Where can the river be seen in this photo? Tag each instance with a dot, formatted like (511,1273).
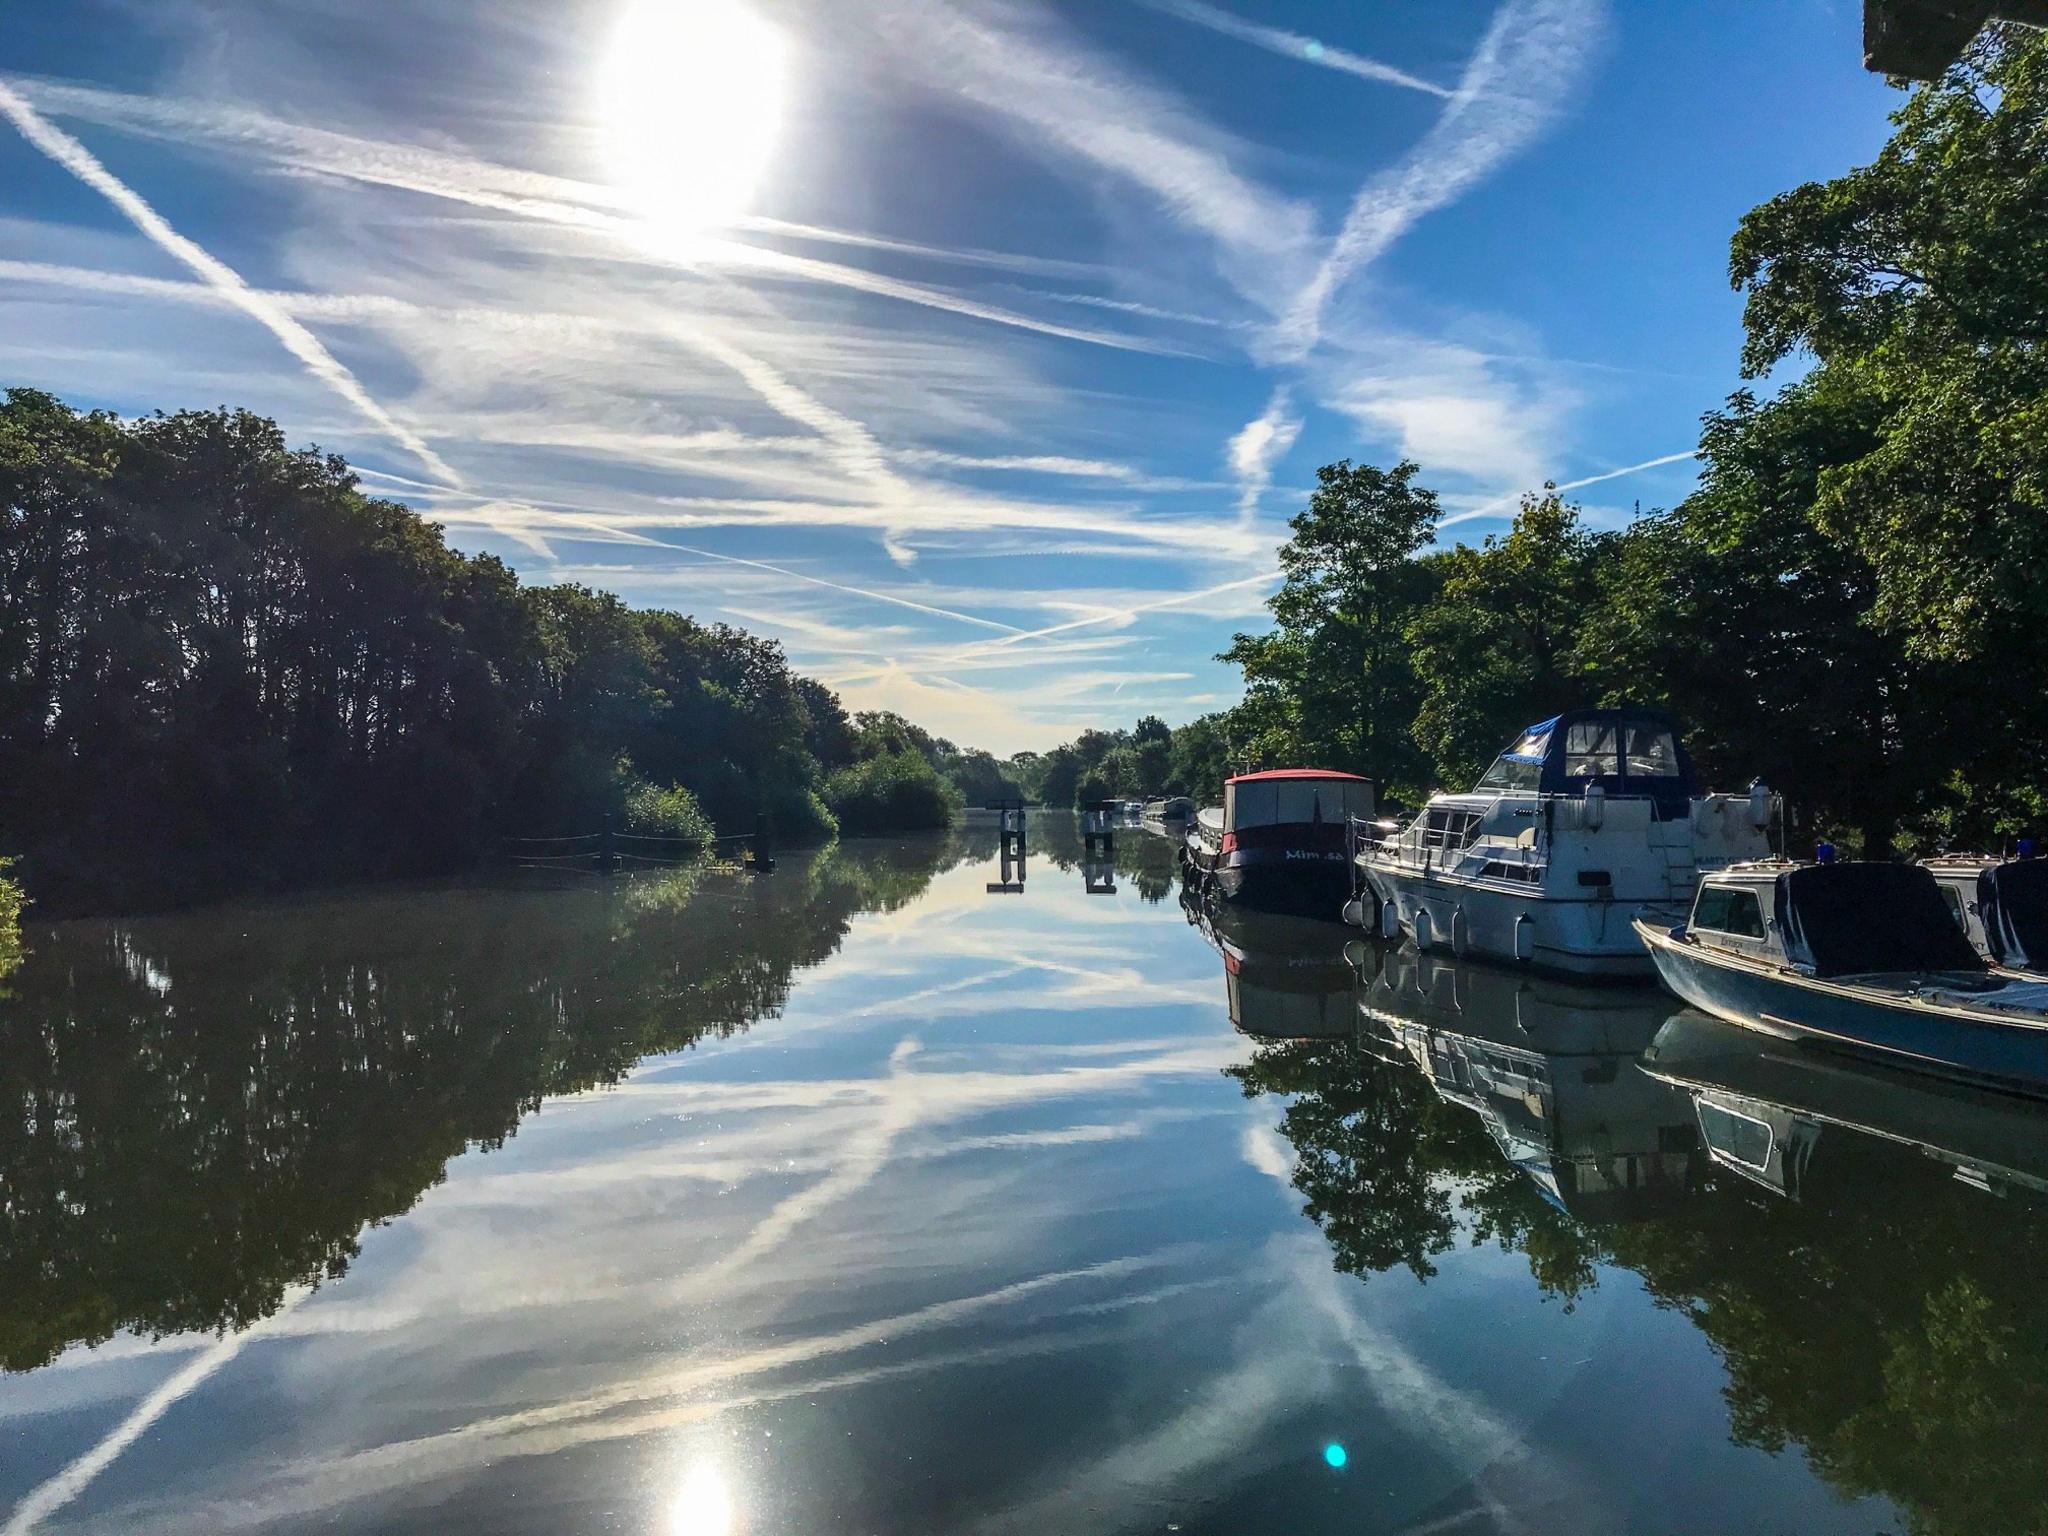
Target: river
(862,1197)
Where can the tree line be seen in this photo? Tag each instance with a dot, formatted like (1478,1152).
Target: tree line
(224,666)
(1851,604)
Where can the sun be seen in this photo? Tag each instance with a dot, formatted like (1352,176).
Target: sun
(690,99)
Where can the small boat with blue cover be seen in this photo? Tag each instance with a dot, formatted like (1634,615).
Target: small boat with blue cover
(2000,904)
(1863,957)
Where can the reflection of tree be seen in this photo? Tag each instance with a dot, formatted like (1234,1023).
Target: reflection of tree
(199,1111)
(1389,1169)
(1891,1322)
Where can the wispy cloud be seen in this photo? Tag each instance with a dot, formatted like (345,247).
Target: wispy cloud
(74,157)
(1500,504)
(1513,88)
(1293,45)
(1260,445)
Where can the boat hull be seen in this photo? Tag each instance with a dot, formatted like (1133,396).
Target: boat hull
(1572,937)
(1310,882)
(1973,1047)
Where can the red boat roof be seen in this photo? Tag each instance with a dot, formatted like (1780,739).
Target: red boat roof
(1293,773)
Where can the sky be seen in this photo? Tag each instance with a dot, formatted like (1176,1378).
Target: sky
(976,350)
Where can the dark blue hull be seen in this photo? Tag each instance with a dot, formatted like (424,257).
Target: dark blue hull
(1304,881)
(1905,1030)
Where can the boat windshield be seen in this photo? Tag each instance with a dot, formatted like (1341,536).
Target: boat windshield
(1521,766)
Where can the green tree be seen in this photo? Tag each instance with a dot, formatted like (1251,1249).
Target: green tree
(1497,642)
(1332,685)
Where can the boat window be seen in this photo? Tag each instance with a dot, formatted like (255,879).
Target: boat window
(1736,1137)
(1258,805)
(1954,902)
(1589,750)
(1722,909)
(1295,800)
(1507,773)
(1652,754)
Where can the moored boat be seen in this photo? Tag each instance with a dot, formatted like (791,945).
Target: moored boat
(1167,810)
(1278,840)
(1586,819)
(2000,904)
(1857,956)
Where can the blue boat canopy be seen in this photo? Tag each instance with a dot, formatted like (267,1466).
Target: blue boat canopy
(2012,898)
(1864,918)
(1627,752)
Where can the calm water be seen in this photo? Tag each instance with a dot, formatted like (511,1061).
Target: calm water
(865,1199)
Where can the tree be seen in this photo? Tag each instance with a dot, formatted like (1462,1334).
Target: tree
(1332,685)
(1497,643)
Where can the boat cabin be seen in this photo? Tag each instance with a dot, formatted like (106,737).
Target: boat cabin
(1833,919)
(2001,905)
(1258,806)
(1624,753)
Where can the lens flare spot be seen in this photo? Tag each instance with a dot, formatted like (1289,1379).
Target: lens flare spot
(1335,1454)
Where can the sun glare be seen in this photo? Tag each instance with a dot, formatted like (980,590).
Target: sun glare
(703,1504)
(689,101)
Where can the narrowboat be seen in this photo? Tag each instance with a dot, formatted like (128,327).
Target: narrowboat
(1169,810)
(1586,819)
(1863,957)
(1279,840)
(2000,904)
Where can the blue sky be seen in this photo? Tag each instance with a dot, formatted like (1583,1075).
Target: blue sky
(978,351)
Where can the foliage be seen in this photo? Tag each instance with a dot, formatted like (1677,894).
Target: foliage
(1495,646)
(222,666)
(1848,606)
(1333,685)
(653,811)
(11,902)
(896,791)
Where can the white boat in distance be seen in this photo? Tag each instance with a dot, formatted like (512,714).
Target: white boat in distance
(1585,820)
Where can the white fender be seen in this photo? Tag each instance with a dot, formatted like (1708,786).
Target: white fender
(1423,935)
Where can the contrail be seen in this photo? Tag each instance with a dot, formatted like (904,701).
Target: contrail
(1293,45)
(300,342)
(51,1495)
(1491,508)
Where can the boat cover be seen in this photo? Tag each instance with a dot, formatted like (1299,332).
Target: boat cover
(1861,918)
(2012,898)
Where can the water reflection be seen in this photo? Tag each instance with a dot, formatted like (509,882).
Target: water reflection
(1830,1227)
(202,1111)
(1038,1211)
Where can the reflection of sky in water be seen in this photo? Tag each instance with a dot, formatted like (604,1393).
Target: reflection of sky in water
(976,1236)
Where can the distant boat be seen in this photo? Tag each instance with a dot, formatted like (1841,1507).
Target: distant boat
(1279,840)
(2000,904)
(1858,956)
(1170,808)
(1585,819)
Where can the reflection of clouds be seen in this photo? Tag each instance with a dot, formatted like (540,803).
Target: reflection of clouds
(1515,1486)
(687,1393)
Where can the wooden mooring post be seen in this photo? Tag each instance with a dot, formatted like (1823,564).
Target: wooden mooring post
(1010,828)
(1098,830)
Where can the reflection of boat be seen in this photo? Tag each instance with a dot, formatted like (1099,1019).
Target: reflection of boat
(1169,814)
(1287,978)
(1585,819)
(2001,905)
(1763,1105)
(1279,840)
(1549,1067)
(1863,956)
